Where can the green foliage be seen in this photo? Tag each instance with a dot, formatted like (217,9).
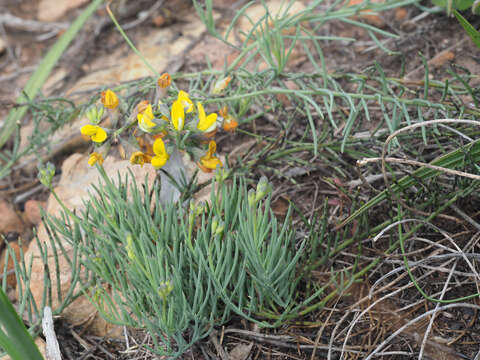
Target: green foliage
(14,337)
(454,4)
(177,271)
(469,29)
(274,37)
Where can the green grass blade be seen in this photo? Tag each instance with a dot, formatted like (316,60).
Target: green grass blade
(469,29)
(35,83)
(15,338)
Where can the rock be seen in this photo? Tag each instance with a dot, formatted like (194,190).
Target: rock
(401,14)
(52,10)
(9,219)
(65,140)
(368,15)
(204,194)
(163,48)
(32,211)
(77,180)
(256,12)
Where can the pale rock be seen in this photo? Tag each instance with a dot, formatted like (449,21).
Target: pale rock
(255,12)
(277,9)
(53,10)
(162,48)
(75,184)
(32,211)
(65,140)
(9,219)
(369,16)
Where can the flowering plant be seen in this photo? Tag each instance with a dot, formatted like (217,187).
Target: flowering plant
(151,132)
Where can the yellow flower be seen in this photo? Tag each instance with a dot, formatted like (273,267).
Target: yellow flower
(94,132)
(94,158)
(164,81)
(161,155)
(178,115)
(109,99)
(185,101)
(145,119)
(208,163)
(205,123)
(139,158)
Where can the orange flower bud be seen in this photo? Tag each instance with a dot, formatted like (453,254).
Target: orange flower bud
(230,124)
(164,81)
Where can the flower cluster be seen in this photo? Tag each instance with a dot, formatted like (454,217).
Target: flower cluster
(152,131)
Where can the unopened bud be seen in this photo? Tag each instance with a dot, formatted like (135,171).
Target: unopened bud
(165,289)
(129,247)
(46,174)
(94,114)
(251,198)
(220,85)
(263,188)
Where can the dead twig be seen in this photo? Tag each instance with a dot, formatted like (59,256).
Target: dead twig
(53,350)
(17,23)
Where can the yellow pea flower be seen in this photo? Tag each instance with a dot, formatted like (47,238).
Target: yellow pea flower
(160,152)
(178,115)
(139,158)
(94,132)
(109,99)
(185,101)
(209,162)
(142,106)
(94,158)
(145,119)
(205,123)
